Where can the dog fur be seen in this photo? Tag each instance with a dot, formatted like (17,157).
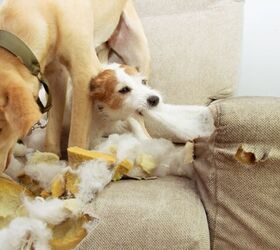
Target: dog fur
(118,92)
(64,36)
(111,109)
(18,110)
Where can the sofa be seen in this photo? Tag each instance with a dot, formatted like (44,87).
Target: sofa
(233,200)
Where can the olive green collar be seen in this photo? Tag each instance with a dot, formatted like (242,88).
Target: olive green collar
(19,49)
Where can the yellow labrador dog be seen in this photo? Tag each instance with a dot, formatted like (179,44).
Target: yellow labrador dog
(64,35)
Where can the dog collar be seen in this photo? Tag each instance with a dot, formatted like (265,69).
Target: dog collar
(18,48)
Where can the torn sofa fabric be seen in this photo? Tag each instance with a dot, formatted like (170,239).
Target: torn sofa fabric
(237,173)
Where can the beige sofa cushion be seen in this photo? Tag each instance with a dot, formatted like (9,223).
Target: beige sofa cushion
(195,47)
(241,195)
(154,214)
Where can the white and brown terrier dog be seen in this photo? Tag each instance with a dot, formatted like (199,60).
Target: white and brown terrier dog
(118,92)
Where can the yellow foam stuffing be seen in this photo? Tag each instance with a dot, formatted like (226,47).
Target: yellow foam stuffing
(146,162)
(58,186)
(66,235)
(78,155)
(122,169)
(11,201)
(113,149)
(30,184)
(69,233)
(39,157)
(71,183)
(73,205)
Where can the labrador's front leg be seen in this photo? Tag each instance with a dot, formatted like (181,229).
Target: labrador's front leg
(57,77)
(81,115)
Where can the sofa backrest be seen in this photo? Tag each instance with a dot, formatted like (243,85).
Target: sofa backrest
(195,47)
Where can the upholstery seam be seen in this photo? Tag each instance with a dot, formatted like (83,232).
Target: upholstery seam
(218,115)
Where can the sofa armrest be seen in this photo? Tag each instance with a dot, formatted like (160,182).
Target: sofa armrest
(238,173)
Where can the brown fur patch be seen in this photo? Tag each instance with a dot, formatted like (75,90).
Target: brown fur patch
(129,70)
(103,89)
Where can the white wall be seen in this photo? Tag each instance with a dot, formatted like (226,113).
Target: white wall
(260,73)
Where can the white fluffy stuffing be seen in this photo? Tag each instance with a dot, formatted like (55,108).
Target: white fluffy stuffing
(21,150)
(22,233)
(169,159)
(94,176)
(126,145)
(44,172)
(50,211)
(173,163)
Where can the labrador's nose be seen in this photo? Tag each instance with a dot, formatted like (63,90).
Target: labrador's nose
(153,100)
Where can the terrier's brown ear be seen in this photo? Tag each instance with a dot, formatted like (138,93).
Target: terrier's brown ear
(103,85)
(97,89)
(21,111)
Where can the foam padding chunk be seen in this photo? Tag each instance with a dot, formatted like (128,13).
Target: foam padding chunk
(122,169)
(77,155)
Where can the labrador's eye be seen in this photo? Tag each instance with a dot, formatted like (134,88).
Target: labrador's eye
(144,82)
(125,90)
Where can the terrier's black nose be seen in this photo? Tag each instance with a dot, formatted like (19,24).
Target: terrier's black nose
(153,100)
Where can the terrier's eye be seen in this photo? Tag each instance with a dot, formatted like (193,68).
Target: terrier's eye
(124,90)
(144,81)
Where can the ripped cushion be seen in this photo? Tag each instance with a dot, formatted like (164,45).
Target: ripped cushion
(238,173)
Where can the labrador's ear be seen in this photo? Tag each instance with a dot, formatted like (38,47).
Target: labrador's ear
(20,109)
(129,42)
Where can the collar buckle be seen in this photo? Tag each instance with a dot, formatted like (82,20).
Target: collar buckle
(41,124)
